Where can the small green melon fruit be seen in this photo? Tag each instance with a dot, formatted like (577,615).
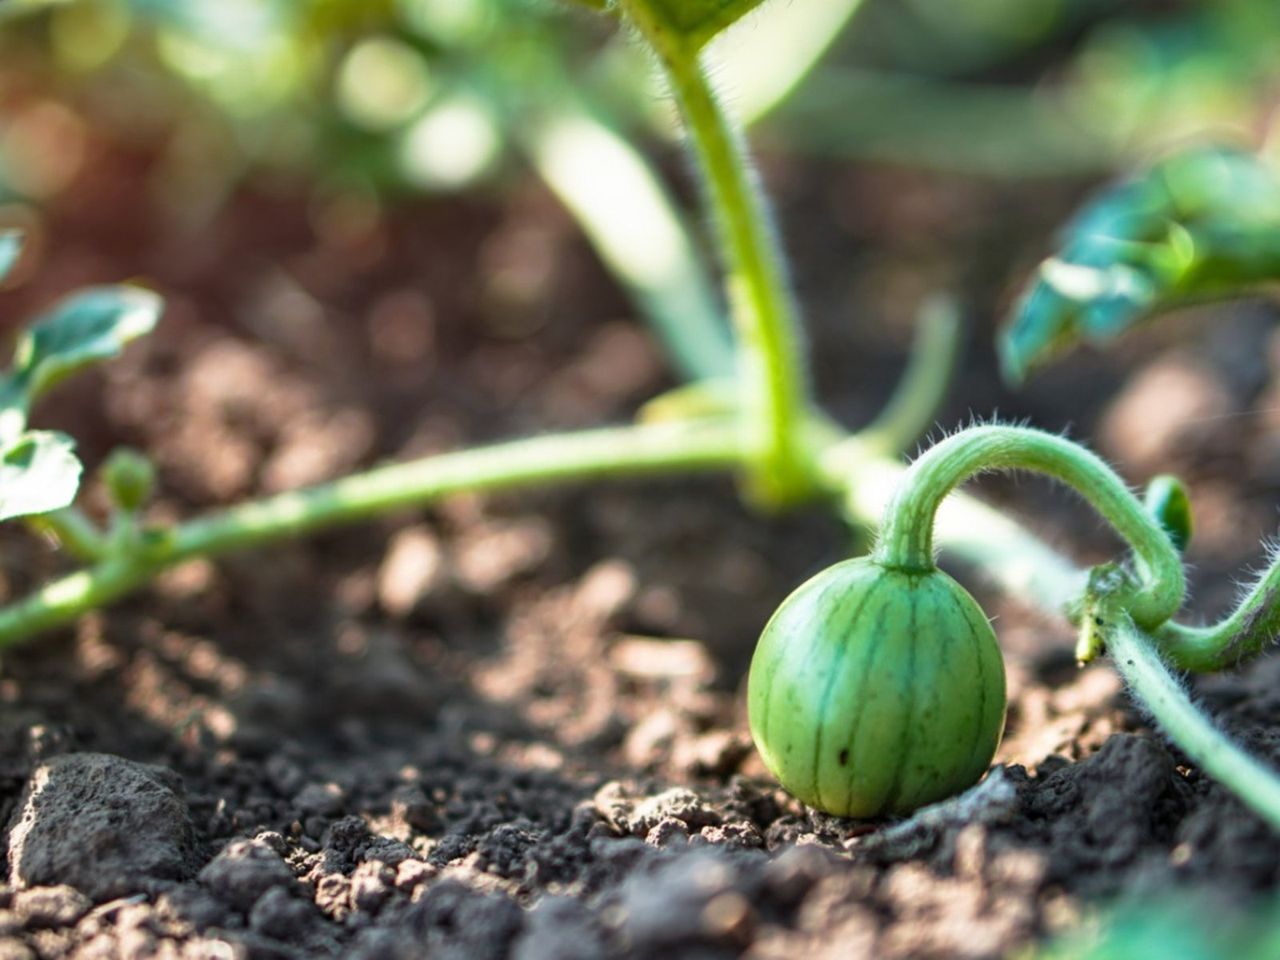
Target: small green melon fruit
(874,691)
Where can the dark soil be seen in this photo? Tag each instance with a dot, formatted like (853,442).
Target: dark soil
(514,726)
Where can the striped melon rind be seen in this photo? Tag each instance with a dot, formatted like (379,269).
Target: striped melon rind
(875,691)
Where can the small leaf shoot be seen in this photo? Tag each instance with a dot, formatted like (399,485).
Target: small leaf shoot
(86,328)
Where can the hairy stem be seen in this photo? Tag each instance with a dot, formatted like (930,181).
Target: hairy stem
(863,479)
(1250,628)
(771,365)
(906,535)
(1135,656)
(594,454)
(989,542)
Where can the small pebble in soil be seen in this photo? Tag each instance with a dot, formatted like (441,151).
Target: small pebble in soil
(245,871)
(100,823)
(639,817)
(560,928)
(280,914)
(59,906)
(694,898)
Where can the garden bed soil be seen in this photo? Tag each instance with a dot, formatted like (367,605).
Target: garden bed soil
(513,726)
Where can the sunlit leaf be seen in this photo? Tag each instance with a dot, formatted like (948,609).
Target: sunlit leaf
(1200,225)
(86,328)
(692,21)
(39,472)
(10,247)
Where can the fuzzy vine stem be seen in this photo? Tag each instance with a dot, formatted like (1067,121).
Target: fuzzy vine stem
(592,454)
(771,369)
(1249,629)
(906,535)
(1136,656)
(988,541)
(861,478)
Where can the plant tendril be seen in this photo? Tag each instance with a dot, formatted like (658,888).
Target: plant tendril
(906,537)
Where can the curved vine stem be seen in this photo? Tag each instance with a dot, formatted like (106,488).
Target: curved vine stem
(599,454)
(906,535)
(1135,656)
(988,541)
(1250,628)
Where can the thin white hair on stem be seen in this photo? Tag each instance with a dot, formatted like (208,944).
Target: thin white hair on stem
(1180,678)
(940,432)
(1253,590)
(1188,568)
(1164,695)
(1253,577)
(726,93)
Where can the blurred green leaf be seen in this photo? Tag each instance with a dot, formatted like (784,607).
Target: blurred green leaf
(86,328)
(1167,500)
(701,400)
(693,21)
(39,472)
(10,247)
(1202,224)
(1172,925)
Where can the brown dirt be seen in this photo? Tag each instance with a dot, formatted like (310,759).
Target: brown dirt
(513,726)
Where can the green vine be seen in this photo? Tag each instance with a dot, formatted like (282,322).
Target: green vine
(906,536)
(771,367)
(1138,659)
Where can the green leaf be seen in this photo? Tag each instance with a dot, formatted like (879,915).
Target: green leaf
(1199,225)
(39,472)
(10,247)
(1167,500)
(86,328)
(694,22)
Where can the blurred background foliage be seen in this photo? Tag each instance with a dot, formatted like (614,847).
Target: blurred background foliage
(1057,87)
(367,102)
(1173,926)
(427,95)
